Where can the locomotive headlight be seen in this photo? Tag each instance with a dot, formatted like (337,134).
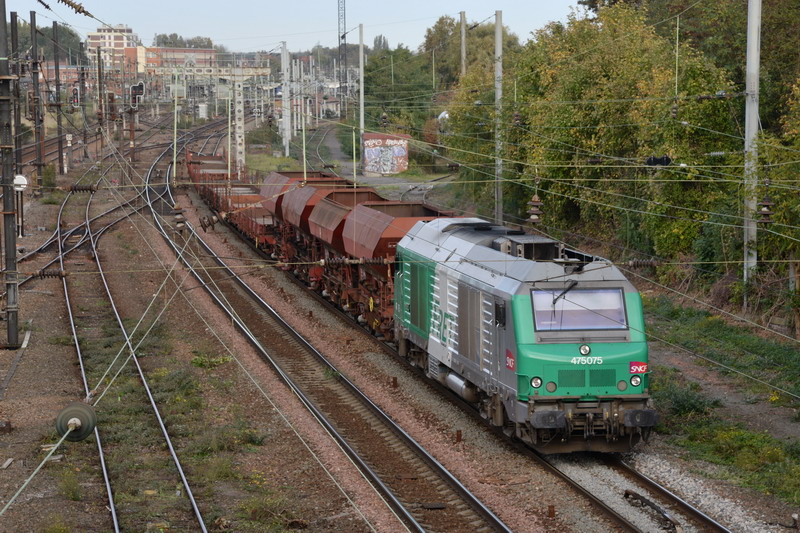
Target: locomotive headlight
(636,381)
(536,382)
(585,350)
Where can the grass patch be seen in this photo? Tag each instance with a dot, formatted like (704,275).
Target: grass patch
(225,438)
(267,163)
(217,467)
(676,397)
(330,373)
(69,486)
(61,340)
(751,459)
(56,524)
(270,511)
(208,361)
(55,197)
(732,345)
(748,458)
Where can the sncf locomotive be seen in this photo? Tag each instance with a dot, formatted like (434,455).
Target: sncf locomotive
(547,342)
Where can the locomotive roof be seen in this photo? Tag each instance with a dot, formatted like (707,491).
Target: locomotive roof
(469,245)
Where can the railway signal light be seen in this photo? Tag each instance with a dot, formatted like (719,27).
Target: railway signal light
(137,91)
(76,98)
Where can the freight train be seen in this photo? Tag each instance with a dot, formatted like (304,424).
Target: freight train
(546,342)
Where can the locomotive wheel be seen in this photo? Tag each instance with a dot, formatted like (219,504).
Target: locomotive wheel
(84,414)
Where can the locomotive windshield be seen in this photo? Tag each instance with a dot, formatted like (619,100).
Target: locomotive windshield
(578,309)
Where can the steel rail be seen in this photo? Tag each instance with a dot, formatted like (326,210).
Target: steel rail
(477,506)
(140,371)
(706,522)
(469,408)
(60,236)
(87,390)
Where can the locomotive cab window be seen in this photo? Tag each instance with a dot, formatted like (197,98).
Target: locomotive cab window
(578,309)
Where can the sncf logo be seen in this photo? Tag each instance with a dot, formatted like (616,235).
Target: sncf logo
(511,362)
(637,367)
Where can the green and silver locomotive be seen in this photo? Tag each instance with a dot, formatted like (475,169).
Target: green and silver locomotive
(548,342)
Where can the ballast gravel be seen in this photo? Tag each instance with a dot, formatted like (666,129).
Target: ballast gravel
(509,483)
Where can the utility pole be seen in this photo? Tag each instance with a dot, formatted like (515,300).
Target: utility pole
(360,84)
(101,102)
(498,110)
(17,106)
(82,92)
(463,43)
(132,129)
(37,117)
(750,134)
(9,210)
(57,104)
(342,54)
(286,105)
(175,136)
(433,69)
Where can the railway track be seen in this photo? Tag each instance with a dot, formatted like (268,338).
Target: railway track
(96,325)
(93,315)
(424,494)
(660,507)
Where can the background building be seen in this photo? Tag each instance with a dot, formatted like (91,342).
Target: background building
(112,42)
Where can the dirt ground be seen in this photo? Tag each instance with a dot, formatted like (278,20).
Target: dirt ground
(285,479)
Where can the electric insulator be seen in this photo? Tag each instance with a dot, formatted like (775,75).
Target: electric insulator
(384,120)
(765,210)
(517,119)
(78,417)
(44,273)
(642,263)
(534,211)
(82,188)
(674,111)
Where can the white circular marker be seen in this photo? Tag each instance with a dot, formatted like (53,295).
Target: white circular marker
(20,183)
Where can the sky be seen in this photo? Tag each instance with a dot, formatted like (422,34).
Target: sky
(251,25)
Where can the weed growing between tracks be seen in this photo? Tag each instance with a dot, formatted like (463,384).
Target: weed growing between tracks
(210,438)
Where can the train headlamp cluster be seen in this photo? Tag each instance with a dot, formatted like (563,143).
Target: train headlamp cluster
(636,381)
(536,382)
(585,349)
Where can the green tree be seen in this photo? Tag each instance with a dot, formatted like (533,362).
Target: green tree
(68,43)
(719,30)
(442,44)
(594,99)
